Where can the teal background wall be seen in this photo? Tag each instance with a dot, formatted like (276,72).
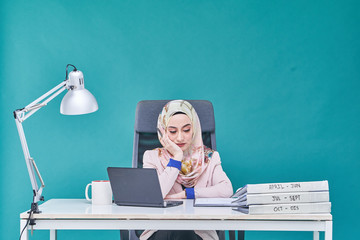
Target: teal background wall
(284,78)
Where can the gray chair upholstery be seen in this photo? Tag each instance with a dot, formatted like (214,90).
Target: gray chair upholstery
(146,116)
(145,138)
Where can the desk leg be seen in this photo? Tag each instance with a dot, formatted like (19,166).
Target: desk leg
(25,235)
(328,230)
(53,234)
(316,235)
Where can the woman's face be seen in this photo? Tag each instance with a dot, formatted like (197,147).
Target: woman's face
(180,130)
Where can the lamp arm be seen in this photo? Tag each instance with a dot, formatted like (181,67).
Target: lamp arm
(34,106)
(29,164)
(21,115)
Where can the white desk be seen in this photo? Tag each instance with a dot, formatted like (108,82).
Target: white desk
(61,214)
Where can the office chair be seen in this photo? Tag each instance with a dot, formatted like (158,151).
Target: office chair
(145,138)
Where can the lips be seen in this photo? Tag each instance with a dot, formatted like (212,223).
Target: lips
(180,144)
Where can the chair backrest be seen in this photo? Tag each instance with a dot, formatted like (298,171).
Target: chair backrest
(145,135)
(146,116)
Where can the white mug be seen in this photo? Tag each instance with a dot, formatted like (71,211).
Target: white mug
(100,191)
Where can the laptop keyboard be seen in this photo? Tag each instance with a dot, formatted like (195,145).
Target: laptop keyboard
(172,203)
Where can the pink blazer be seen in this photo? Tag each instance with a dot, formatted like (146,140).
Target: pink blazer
(212,183)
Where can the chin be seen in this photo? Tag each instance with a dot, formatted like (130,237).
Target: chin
(184,148)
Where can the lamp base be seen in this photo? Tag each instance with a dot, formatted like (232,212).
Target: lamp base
(34,208)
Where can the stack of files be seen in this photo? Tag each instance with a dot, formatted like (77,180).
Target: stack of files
(276,198)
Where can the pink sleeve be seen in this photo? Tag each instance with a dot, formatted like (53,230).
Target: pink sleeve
(220,183)
(167,176)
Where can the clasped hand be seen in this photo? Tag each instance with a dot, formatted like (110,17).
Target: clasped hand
(177,154)
(171,147)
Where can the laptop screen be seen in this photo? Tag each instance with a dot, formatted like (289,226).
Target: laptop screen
(135,186)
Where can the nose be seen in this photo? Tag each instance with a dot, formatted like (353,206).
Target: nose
(180,137)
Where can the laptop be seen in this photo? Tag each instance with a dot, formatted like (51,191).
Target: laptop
(137,187)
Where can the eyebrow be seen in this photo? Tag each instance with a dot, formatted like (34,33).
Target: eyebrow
(182,126)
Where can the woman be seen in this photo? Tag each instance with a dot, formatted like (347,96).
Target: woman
(186,168)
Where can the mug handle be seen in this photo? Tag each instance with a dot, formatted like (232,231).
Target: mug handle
(86,192)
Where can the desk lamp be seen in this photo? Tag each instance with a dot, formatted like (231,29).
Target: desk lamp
(76,101)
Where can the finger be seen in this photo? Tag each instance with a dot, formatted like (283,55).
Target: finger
(166,136)
(168,140)
(165,140)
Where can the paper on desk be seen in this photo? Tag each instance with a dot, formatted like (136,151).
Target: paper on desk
(217,202)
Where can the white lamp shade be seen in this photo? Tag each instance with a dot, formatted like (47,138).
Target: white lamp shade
(77,102)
